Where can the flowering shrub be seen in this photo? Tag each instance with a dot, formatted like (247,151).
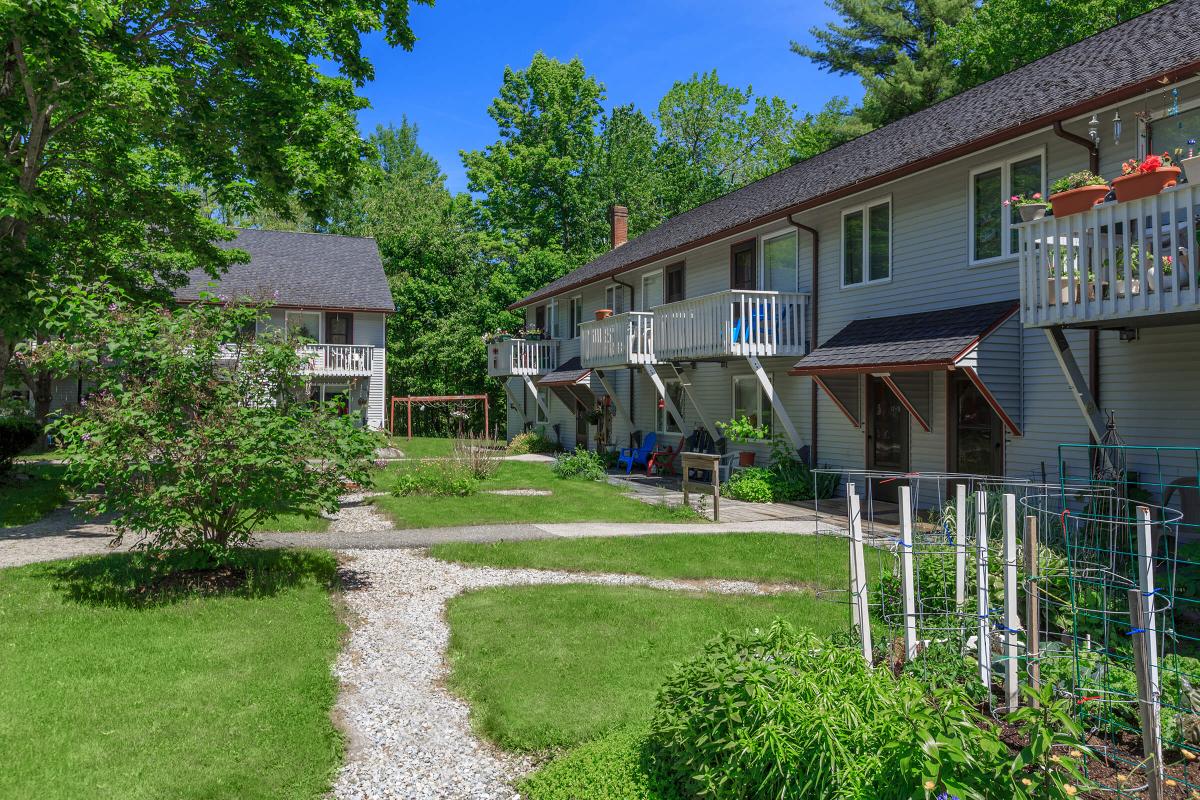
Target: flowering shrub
(1018,200)
(1150,163)
(1077,180)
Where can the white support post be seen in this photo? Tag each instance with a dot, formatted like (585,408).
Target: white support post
(960,547)
(515,405)
(860,587)
(1145,545)
(704,420)
(983,643)
(776,402)
(657,380)
(852,517)
(1012,622)
(906,574)
(529,384)
(616,399)
(1075,380)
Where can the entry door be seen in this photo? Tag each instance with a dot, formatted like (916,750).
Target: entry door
(887,437)
(976,432)
(743,267)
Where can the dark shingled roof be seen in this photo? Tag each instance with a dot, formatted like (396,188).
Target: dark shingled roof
(569,372)
(927,339)
(1117,63)
(308,270)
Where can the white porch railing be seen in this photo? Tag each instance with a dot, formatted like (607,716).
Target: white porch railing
(617,341)
(337,359)
(732,323)
(1114,262)
(522,357)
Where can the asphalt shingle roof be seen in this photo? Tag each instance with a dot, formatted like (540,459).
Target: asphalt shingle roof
(1124,59)
(932,338)
(569,372)
(308,270)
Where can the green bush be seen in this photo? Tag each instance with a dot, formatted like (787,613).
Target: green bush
(787,479)
(614,767)
(442,478)
(17,434)
(752,485)
(580,465)
(531,442)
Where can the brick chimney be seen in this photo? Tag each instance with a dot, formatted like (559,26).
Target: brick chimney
(618,221)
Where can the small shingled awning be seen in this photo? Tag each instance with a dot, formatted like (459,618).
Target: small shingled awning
(928,341)
(571,383)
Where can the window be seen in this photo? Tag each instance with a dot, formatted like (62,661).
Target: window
(750,401)
(743,269)
(576,316)
(652,290)
(1174,132)
(781,263)
(539,317)
(675,285)
(304,323)
(339,328)
(613,295)
(551,329)
(867,243)
(663,420)
(992,234)
(543,402)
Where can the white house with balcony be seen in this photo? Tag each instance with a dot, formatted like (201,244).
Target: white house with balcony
(330,289)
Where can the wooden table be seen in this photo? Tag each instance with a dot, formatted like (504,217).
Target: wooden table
(704,461)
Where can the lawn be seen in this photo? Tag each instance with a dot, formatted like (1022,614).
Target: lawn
(105,695)
(25,501)
(294,523)
(569,501)
(430,446)
(761,557)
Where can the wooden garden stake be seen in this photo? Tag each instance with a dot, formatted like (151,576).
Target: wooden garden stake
(983,642)
(1032,601)
(1012,622)
(1145,546)
(1147,700)
(906,574)
(850,492)
(859,587)
(960,547)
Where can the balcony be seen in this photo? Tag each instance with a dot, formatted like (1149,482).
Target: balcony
(344,360)
(730,324)
(621,340)
(1115,265)
(522,357)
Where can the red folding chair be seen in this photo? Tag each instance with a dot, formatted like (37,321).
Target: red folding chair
(664,460)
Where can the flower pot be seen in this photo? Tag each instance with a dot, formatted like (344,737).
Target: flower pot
(504,337)
(1144,184)
(1074,201)
(746,458)
(1032,211)
(603,313)
(1191,168)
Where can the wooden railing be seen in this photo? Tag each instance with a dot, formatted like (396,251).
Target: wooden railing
(1114,262)
(522,357)
(621,339)
(337,359)
(732,323)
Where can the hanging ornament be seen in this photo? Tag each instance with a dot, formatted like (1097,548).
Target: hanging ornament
(1117,127)
(1174,108)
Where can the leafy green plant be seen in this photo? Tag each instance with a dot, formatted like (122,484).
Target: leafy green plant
(1048,765)
(751,485)
(474,455)
(436,478)
(531,442)
(580,465)
(17,434)
(741,429)
(943,664)
(1077,180)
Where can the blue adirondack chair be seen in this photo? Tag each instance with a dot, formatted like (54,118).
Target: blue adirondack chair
(638,455)
(742,327)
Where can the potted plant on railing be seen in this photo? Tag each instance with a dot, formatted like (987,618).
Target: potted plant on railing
(1077,192)
(1145,179)
(534,334)
(603,313)
(741,429)
(1031,207)
(502,335)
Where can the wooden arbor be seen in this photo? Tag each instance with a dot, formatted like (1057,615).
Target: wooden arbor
(437,400)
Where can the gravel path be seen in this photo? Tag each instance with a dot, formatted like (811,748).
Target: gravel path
(358,516)
(409,737)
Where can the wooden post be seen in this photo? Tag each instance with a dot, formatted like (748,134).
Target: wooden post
(1012,622)
(908,590)
(410,418)
(1033,622)
(704,461)
(1145,545)
(486,426)
(983,643)
(1147,701)
(851,507)
(858,577)
(716,479)
(960,547)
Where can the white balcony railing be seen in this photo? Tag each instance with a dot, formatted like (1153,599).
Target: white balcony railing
(620,340)
(1114,262)
(522,357)
(337,359)
(732,323)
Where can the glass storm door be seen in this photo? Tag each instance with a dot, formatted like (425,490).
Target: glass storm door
(977,438)
(887,436)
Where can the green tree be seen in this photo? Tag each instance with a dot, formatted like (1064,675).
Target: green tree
(626,168)
(1005,34)
(893,47)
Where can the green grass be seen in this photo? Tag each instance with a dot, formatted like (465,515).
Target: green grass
(25,501)
(613,767)
(555,666)
(224,696)
(429,446)
(761,557)
(570,501)
(294,523)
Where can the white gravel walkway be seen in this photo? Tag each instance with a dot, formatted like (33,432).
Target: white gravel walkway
(409,737)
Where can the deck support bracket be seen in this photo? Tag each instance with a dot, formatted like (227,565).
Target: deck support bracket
(534,391)
(514,405)
(668,403)
(776,402)
(687,390)
(1075,380)
(616,399)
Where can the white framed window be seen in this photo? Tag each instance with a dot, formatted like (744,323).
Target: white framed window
(613,297)
(553,330)
(750,401)
(544,403)
(867,243)
(990,232)
(652,290)
(781,262)
(304,323)
(663,422)
(576,315)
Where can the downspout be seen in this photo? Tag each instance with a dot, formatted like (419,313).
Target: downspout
(812,330)
(1094,333)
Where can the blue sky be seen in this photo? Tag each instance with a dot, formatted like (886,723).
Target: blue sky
(636,50)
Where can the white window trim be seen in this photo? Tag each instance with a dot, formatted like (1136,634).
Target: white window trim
(576,316)
(765,409)
(1005,167)
(551,318)
(612,293)
(762,257)
(862,207)
(661,282)
(287,321)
